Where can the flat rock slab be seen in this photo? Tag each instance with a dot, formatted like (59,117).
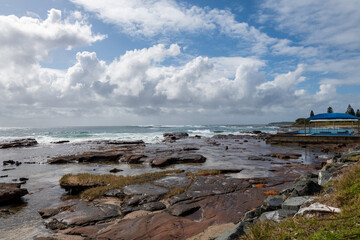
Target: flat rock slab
(277,215)
(90,157)
(173,181)
(77,213)
(145,188)
(211,185)
(180,159)
(294,203)
(11,192)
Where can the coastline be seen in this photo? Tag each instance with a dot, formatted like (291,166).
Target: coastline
(219,150)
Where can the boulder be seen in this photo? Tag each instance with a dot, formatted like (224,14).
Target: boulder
(10,192)
(134,159)
(305,187)
(26,142)
(272,203)
(114,193)
(294,203)
(115,170)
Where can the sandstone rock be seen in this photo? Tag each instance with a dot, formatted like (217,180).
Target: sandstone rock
(173,181)
(10,192)
(187,158)
(90,157)
(183,209)
(26,142)
(61,142)
(77,213)
(169,137)
(145,188)
(135,159)
(153,206)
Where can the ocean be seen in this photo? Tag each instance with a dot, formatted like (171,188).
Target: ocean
(147,133)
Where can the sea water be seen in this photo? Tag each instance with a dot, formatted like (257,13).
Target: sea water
(147,133)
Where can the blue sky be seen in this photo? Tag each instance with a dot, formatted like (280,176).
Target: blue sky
(119,62)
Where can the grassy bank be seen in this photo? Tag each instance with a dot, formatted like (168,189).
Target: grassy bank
(345,225)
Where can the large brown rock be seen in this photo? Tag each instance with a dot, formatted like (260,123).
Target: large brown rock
(90,157)
(10,192)
(186,158)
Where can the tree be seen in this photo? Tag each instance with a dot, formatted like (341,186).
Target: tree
(350,110)
(330,110)
(312,113)
(357,113)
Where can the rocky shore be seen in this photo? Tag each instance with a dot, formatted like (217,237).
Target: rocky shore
(180,202)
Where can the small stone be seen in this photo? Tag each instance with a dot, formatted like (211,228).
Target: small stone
(115,170)
(277,215)
(294,203)
(153,206)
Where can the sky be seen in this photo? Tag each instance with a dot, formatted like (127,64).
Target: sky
(120,62)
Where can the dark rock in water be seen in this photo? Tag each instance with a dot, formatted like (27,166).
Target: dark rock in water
(153,206)
(115,170)
(23,179)
(183,209)
(188,158)
(170,137)
(89,157)
(77,213)
(4,176)
(136,142)
(26,142)
(30,162)
(145,188)
(8,162)
(61,142)
(11,162)
(114,193)
(256,132)
(10,192)
(284,155)
(8,169)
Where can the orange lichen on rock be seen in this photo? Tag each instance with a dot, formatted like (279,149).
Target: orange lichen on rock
(260,185)
(271,192)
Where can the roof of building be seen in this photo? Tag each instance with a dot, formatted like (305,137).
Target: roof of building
(333,117)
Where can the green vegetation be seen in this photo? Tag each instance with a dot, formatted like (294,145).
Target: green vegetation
(330,110)
(350,110)
(109,181)
(345,225)
(312,113)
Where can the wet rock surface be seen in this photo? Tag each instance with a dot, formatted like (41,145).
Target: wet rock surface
(11,192)
(145,189)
